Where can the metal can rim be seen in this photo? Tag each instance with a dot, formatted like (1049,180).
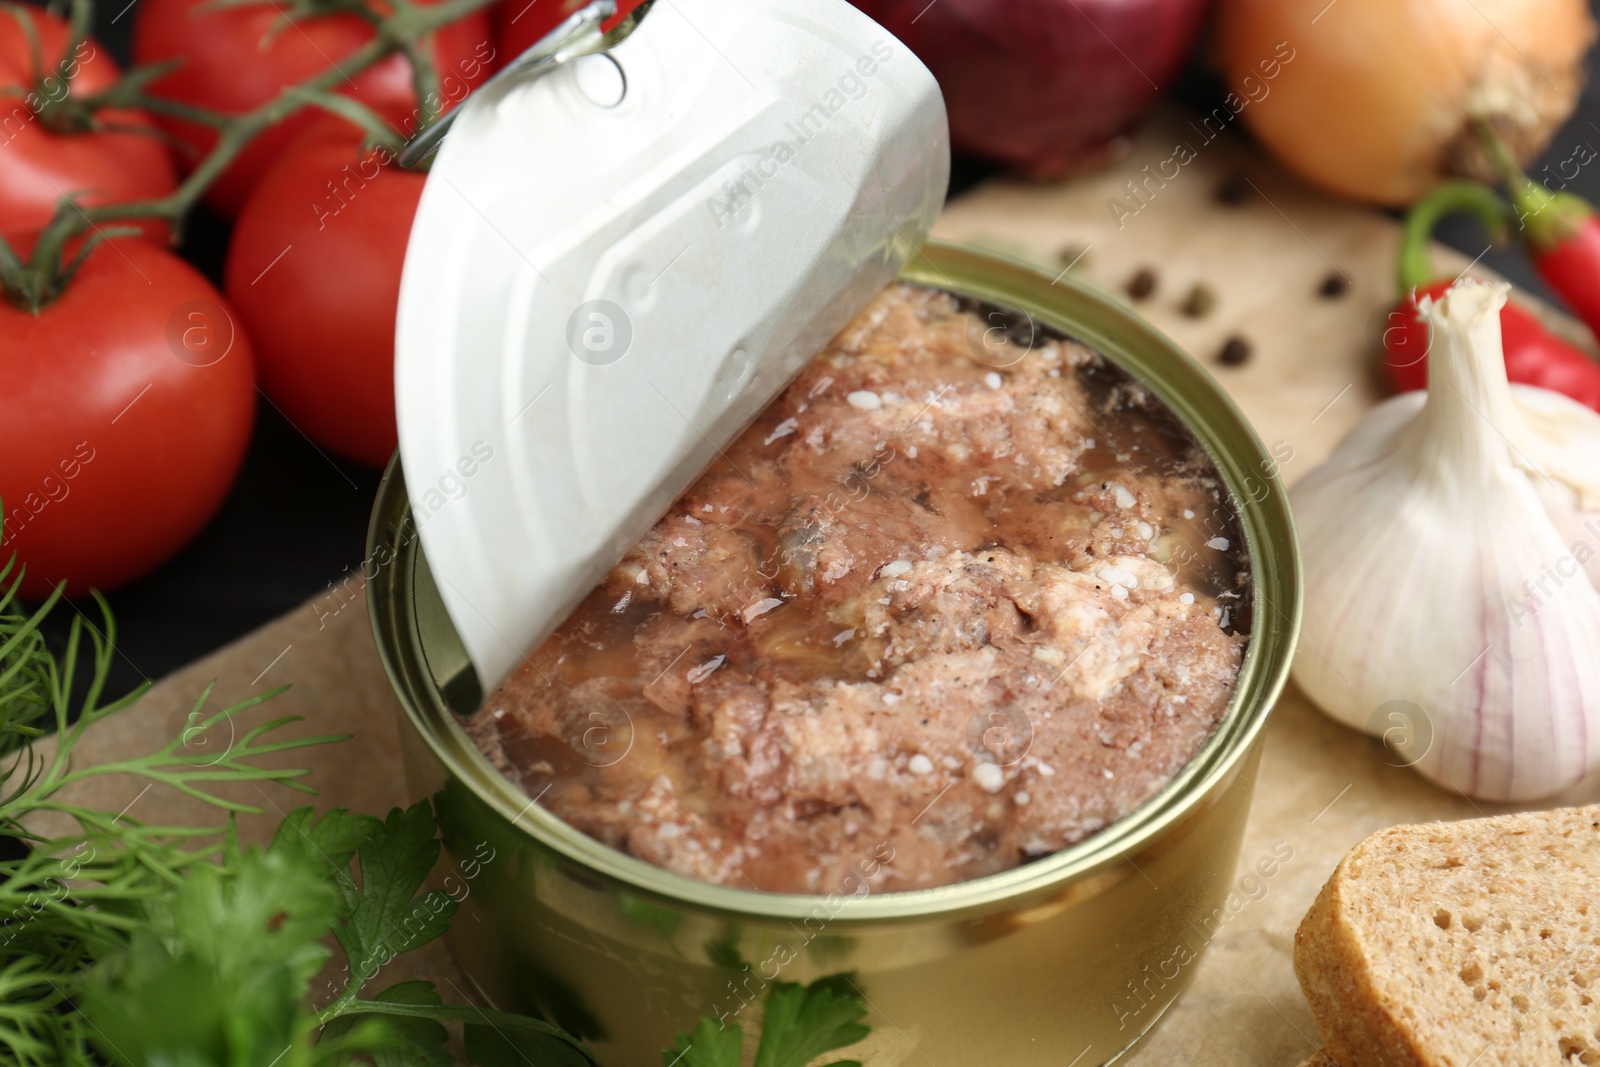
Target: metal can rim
(1116,332)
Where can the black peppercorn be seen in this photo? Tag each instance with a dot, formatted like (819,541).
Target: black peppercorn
(1234,352)
(1142,284)
(1333,286)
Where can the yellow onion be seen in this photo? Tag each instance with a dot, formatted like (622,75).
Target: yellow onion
(1378,99)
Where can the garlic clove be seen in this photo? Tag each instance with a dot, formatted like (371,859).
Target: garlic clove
(1565,443)
(1440,570)
(1521,717)
(1563,439)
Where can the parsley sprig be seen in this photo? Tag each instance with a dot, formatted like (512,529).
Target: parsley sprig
(226,963)
(801,1023)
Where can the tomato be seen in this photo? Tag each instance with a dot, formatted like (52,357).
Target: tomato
(125,410)
(314,269)
(520,24)
(40,164)
(235,58)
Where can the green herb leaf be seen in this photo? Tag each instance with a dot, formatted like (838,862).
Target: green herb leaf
(724,951)
(272,910)
(334,838)
(219,973)
(24,671)
(711,1045)
(386,916)
(395,1040)
(492,1042)
(663,920)
(493,1034)
(803,1022)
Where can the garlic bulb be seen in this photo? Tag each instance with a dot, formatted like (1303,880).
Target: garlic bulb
(1452,557)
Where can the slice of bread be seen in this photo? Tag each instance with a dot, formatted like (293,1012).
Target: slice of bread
(1469,944)
(1319,1058)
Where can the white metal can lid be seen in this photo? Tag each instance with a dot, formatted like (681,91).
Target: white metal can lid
(618,263)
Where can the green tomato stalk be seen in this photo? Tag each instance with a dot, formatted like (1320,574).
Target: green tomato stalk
(74,230)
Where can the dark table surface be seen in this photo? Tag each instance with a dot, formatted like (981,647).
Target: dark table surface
(295,522)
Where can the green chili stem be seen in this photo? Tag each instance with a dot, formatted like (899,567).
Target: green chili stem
(1546,218)
(1456,197)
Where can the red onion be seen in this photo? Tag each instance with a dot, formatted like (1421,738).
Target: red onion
(1046,86)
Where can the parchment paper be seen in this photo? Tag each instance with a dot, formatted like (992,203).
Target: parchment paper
(1322,787)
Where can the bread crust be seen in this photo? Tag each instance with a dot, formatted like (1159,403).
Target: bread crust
(1336,976)
(1367,940)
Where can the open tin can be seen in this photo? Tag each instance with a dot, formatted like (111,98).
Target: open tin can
(1067,960)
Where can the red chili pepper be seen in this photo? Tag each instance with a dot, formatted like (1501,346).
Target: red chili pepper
(1561,232)
(1534,356)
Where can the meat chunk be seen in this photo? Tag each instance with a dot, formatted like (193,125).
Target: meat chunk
(928,619)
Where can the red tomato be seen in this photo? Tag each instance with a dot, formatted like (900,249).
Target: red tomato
(235,58)
(124,414)
(314,269)
(40,164)
(520,24)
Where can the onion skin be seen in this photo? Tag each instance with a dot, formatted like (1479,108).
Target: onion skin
(1379,101)
(1041,85)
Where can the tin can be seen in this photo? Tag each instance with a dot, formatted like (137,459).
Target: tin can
(1068,960)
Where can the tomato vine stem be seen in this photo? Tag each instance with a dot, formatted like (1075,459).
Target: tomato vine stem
(404,28)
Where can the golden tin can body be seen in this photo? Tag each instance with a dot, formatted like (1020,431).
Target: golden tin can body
(1067,960)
